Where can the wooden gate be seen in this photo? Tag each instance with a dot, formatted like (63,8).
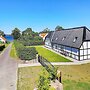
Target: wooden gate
(50,68)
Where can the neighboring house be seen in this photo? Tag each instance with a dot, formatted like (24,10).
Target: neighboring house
(73,42)
(2,39)
(43,35)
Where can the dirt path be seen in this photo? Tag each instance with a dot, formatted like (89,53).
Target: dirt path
(8,71)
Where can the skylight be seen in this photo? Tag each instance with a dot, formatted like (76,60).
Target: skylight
(74,40)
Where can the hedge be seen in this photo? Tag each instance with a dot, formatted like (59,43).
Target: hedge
(2,47)
(30,43)
(25,53)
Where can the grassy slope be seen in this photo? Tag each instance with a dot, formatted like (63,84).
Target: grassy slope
(50,56)
(13,52)
(73,77)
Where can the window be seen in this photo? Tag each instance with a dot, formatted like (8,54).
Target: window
(63,38)
(74,40)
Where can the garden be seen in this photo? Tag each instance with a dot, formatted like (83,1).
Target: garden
(73,77)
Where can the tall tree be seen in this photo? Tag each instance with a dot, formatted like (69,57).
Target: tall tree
(28,31)
(2,33)
(46,30)
(58,28)
(16,33)
(29,34)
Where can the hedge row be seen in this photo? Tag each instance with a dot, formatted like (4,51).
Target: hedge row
(25,53)
(30,43)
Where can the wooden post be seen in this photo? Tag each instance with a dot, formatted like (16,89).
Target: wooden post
(59,76)
(38,58)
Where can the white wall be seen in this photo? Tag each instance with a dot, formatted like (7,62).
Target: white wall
(85,50)
(84,46)
(2,40)
(47,42)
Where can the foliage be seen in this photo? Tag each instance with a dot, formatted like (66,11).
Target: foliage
(8,42)
(58,28)
(51,88)
(2,47)
(1,42)
(2,33)
(25,53)
(30,37)
(50,56)
(44,81)
(29,32)
(46,30)
(16,33)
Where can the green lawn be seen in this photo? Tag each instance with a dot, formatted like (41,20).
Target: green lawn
(13,52)
(50,56)
(73,77)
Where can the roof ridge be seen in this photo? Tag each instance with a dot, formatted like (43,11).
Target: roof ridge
(75,28)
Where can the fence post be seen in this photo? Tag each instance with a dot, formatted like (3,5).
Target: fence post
(59,76)
(38,58)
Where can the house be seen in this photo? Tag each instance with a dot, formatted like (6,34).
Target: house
(2,39)
(43,35)
(72,42)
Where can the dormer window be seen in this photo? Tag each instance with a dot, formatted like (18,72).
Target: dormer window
(74,40)
(56,38)
(63,38)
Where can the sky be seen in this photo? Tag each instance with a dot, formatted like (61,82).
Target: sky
(41,14)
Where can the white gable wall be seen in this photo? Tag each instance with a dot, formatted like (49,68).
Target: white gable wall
(85,51)
(48,43)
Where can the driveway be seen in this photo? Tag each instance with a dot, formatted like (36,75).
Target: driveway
(8,71)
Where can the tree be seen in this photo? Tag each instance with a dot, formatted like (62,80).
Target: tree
(28,31)
(16,33)
(29,34)
(30,37)
(58,28)
(46,30)
(2,33)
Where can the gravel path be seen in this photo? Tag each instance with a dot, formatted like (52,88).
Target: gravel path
(8,71)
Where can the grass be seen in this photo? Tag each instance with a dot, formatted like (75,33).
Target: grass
(73,77)
(28,77)
(7,44)
(50,56)
(13,52)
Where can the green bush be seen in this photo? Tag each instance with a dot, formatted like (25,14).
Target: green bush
(25,53)
(32,42)
(2,47)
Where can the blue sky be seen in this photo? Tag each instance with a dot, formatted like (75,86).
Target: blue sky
(40,14)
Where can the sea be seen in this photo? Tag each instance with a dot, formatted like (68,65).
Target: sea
(9,38)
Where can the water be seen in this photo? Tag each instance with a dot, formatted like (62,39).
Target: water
(9,38)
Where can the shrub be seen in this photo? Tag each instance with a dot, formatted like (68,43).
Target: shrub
(2,47)
(25,53)
(30,43)
(44,81)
